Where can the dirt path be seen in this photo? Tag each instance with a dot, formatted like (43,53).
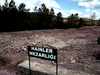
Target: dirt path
(77,48)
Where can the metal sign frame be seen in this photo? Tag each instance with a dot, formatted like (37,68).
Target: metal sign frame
(43,53)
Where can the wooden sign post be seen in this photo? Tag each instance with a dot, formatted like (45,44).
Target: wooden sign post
(43,53)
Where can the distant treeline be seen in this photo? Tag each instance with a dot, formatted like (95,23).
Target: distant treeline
(16,19)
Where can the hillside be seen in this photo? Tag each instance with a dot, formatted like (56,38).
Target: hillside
(85,19)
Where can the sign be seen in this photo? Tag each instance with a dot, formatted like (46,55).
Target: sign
(43,53)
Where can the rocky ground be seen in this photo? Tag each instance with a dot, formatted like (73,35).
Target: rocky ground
(77,48)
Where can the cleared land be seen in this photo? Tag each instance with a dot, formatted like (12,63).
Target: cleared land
(77,48)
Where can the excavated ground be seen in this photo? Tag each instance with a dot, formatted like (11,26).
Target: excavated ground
(77,48)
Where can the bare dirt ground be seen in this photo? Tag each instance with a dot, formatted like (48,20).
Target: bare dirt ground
(77,48)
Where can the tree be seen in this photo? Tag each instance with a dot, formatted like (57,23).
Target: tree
(35,9)
(43,8)
(51,18)
(59,20)
(47,11)
(81,23)
(1,9)
(92,17)
(6,6)
(98,22)
(73,17)
(12,5)
(39,10)
(1,18)
(76,15)
(59,16)
(21,7)
(12,8)
(72,20)
(43,16)
(52,12)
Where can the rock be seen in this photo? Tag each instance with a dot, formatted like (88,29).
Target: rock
(44,46)
(53,62)
(36,35)
(24,49)
(33,43)
(61,63)
(72,61)
(81,61)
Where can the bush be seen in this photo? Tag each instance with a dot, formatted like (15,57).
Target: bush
(98,40)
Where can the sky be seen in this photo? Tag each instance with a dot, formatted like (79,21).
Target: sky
(84,8)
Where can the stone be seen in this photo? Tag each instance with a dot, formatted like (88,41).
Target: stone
(81,61)
(72,61)
(45,46)
(36,35)
(53,62)
(61,63)
(25,49)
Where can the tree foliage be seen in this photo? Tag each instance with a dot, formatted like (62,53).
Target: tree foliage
(59,21)
(98,22)
(13,18)
(72,19)
(21,7)
(12,5)
(92,17)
